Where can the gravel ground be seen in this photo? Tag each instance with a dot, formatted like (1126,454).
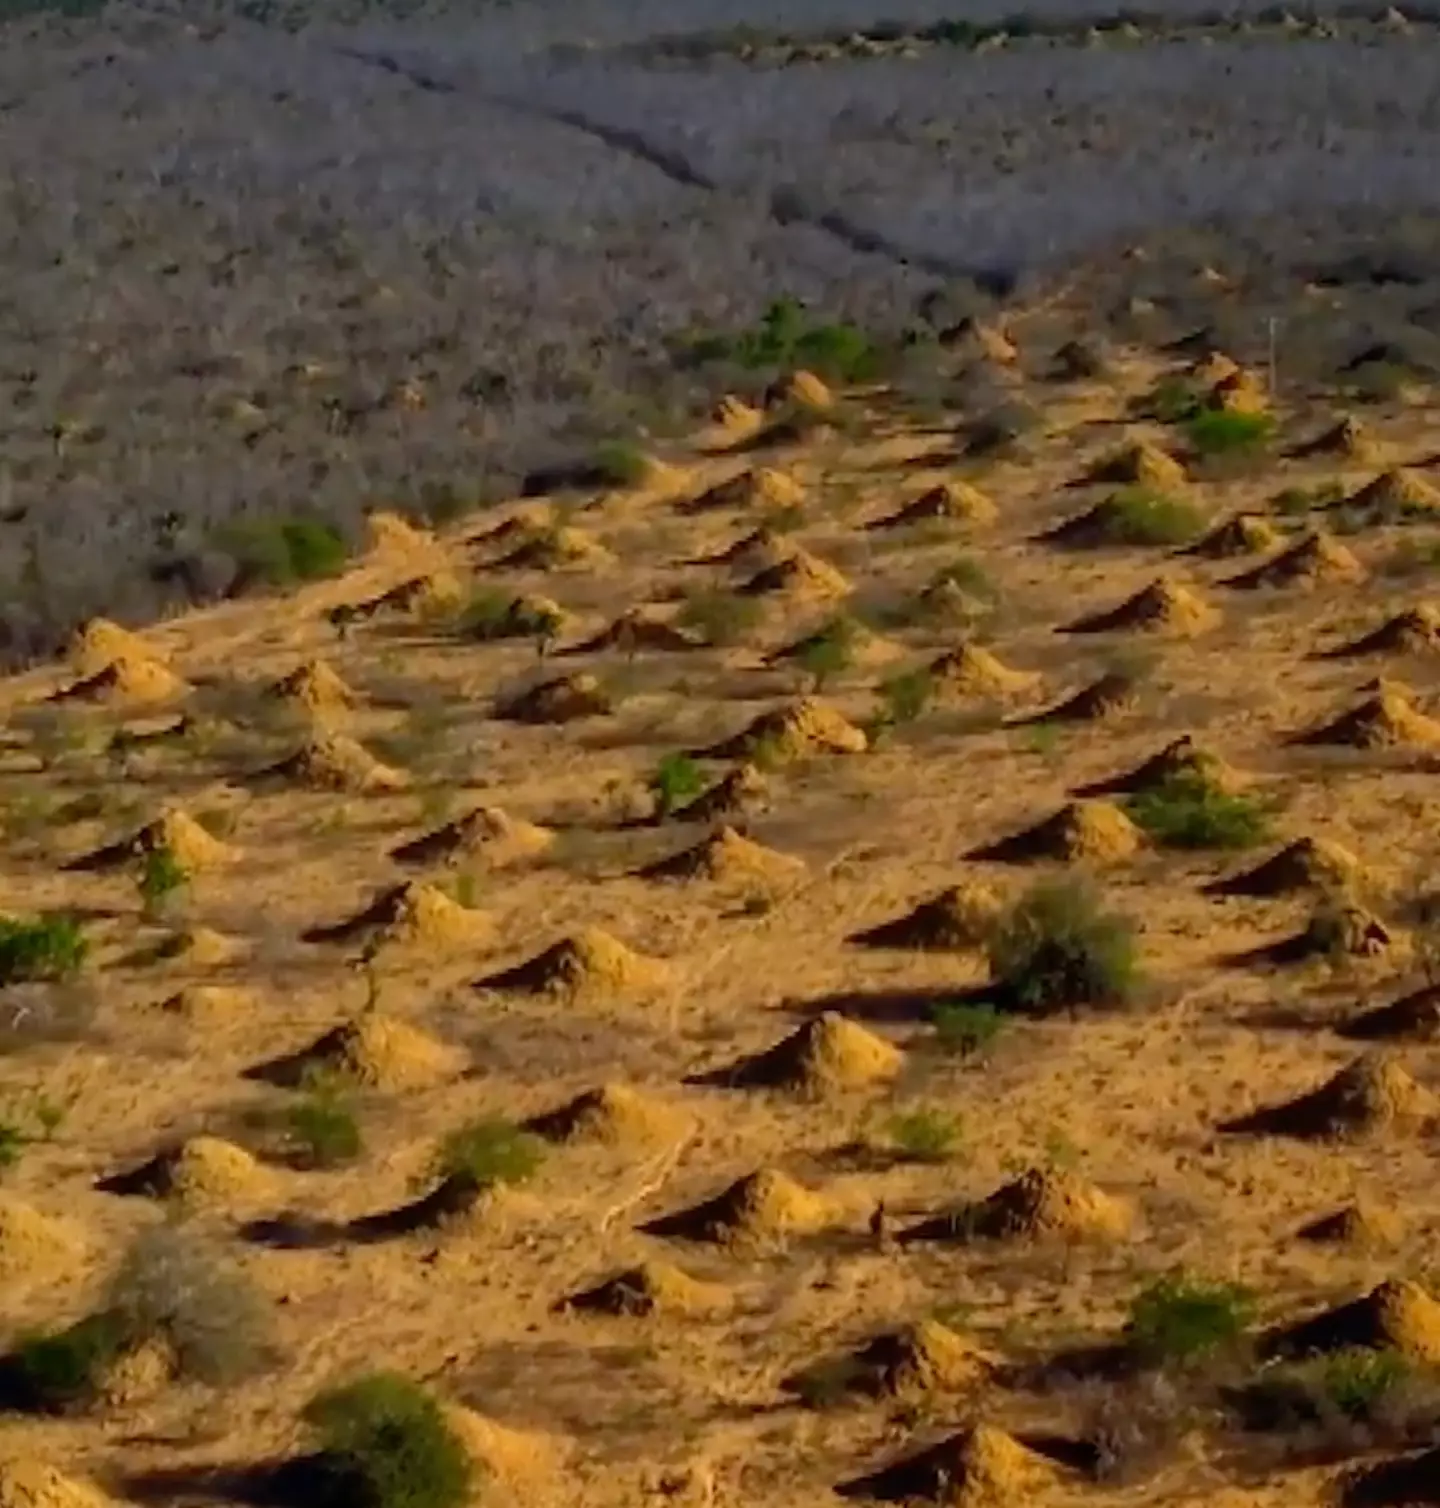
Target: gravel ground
(186,217)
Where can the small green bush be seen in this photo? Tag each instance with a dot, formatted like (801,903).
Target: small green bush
(1181,1318)
(677,781)
(785,338)
(490,1151)
(281,552)
(622,463)
(925,1135)
(390,1441)
(830,650)
(323,1129)
(161,876)
(491,615)
(903,698)
(1174,401)
(1058,949)
(1188,811)
(969,575)
(966,1029)
(1357,1380)
(1219,432)
(1137,516)
(62,1368)
(48,949)
(720,618)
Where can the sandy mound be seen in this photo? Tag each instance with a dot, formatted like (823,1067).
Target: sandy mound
(732,413)
(563,699)
(202,1171)
(974,671)
(1415,631)
(194,849)
(589,965)
(801,387)
(1181,759)
(428,592)
(981,1467)
(759,1209)
(1396,1316)
(1110,696)
(743,792)
(1412,1018)
(412,915)
(554,548)
(639,628)
(394,534)
(957,501)
(1213,367)
(1393,497)
(1315,558)
(752,549)
(34,1245)
(1142,465)
(975,339)
(210,1005)
(526,616)
(1369,1095)
(956,920)
(98,642)
(1240,392)
(204,947)
(27,1483)
(128,678)
(760,488)
(727,857)
(1240,534)
(1361,1225)
(1306,865)
(1161,607)
(138,1374)
(1347,437)
(512,1457)
(1080,361)
(863,647)
(315,687)
(614,1113)
(924,1358)
(651,1288)
(332,762)
(486,837)
(1093,831)
(376,1051)
(1385,720)
(1040,1205)
(824,1055)
(805,727)
(800,575)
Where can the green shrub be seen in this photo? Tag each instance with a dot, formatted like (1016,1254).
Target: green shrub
(1217,432)
(925,1135)
(1058,949)
(1174,401)
(1180,1318)
(966,1029)
(720,618)
(785,337)
(904,697)
(491,615)
(830,650)
(48,949)
(622,463)
(1356,1380)
(323,1128)
(63,1368)
(281,552)
(161,876)
(490,1151)
(1188,811)
(1137,516)
(390,1441)
(677,781)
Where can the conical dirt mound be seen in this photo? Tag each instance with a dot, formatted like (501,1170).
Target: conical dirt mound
(1370,1095)
(726,857)
(409,915)
(127,679)
(375,1051)
(1306,865)
(801,387)
(194,849)
(743,792)
(486,837)
(1042,1204)
(202,1171)
(1385,720)
(1393,497)
(1181,759)
(973,671)
(563,699)
(1396,1316)
(1315,559)
(203,947)
(921,1359)
(553,549)
(651,1288)
(957,501)
(1415,631)
(26,1483)
(1161,607)
(428,591)
(523,1464)
(332,762)
(827,1054)
(862,646)
(210,1006)
(982,1467)
(761,488)
(977,340)
(637,630)
(958,919)
(1360,1225)
(1108,697)
(1143,465)
(759,1209)
(614,1114)
(589,965)
(804,728)
(800,575)
(1412,1018)
(1347,437)
(33,1245)
(316,688)
(392,533)
(1240,392)
(759,546)
(1240,534)
(98,642)
(1094,831)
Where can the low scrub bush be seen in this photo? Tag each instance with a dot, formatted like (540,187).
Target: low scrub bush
(1188,811)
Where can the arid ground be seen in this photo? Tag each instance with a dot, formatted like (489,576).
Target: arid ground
(564,952)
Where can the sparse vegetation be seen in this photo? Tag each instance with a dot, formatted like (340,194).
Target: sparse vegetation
(829,651)
(903,699)
(966,1029)
(47,949)
(722,619)
(159,879)
(786,337)
(490,1151)
(1189,811)
(622,463)
(388,1441)
(677,781)
(1181,1318)
(284,552)
(491,614)
(323,1128)
(926,1134)
(1138,516)
(1221,432)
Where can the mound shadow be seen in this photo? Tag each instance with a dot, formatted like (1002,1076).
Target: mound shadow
(317,1480)
(456,1196)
